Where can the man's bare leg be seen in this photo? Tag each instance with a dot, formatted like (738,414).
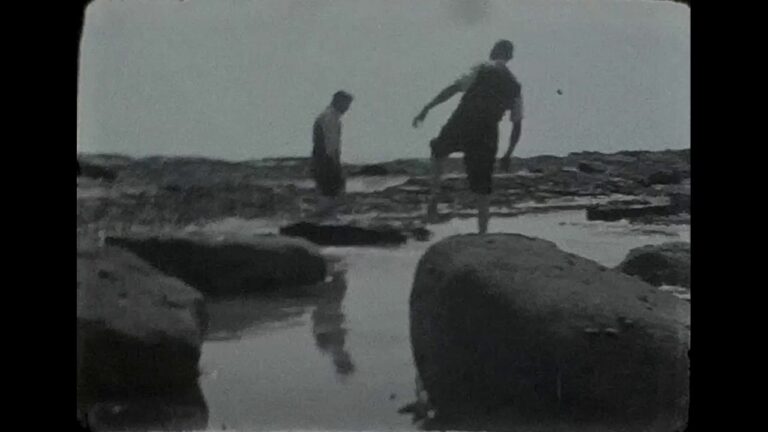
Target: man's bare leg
(483,212)
(437,174)
(326,207)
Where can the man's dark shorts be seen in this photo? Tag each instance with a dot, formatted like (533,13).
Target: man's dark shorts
(328,175)
(479,143)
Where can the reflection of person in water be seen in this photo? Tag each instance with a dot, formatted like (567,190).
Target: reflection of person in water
(328,325)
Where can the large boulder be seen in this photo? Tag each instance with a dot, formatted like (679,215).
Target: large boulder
(505,325)
(664,264)
(224,265)
(139,333)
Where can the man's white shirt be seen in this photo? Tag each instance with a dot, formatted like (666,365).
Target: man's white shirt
(330,121)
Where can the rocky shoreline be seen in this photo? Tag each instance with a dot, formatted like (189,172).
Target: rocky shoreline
(160,192)
(146,271)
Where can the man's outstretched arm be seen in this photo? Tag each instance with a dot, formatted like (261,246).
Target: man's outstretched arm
(443,96)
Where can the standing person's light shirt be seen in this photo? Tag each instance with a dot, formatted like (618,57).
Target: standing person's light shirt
(330,121)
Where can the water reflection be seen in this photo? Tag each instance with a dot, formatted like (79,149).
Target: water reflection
(235,318)
(328,325)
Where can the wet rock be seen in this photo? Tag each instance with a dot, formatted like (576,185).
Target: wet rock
(372,170)
(614,211)
(93,171)
(508,323)
(681,202)
(230,264)
(139,331)
(664,264)
(591,168)
(666,177)
(345,234)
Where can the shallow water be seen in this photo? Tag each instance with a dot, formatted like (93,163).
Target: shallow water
(362,184)
(342,361)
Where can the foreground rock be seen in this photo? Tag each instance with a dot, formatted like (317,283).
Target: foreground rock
(139,334)
(665,264)
(230,265)
(352,235)
(510,326)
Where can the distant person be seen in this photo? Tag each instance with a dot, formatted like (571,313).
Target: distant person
(489,90)
(326,154)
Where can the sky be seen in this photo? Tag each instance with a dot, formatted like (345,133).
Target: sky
(244,79)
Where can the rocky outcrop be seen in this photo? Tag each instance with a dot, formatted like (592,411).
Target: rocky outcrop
(139,334)
(230,264)
(510,325)
(177,191)
(664,264)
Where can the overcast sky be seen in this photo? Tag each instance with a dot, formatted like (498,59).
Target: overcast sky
(244,79)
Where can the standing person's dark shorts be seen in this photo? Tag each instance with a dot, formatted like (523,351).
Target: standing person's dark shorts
(478,143)
(326,171)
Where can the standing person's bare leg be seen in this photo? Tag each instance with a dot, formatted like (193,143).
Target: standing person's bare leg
(333,207)
(323,204)
(437,174)
(483,212)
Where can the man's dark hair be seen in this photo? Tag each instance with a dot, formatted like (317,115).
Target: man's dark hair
(341,96)
(502,49)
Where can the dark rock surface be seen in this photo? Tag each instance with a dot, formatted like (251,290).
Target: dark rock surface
(614,211)
(345,234)
(139,331)
(507,325)
(231,264)
(664,264)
